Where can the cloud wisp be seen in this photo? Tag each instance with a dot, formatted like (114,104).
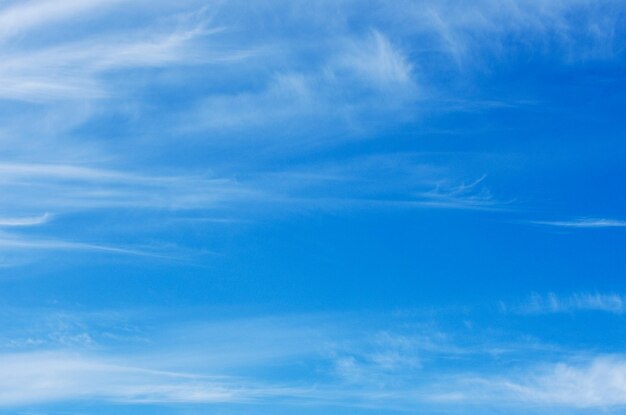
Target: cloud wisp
(328,361)
(72,188)
(39,377)
(25,220)
(552,303)
(19,17)
(358,80)
(76,187)
(75,70)
(138,127)
(584,223)
(395,181)
(597,383)
(29,244)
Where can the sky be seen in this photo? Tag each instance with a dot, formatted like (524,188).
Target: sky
(312,207)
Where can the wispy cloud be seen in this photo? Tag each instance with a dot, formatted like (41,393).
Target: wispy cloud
(10,242)
(466,195)
(19,17)
(78,371)
(599,382)
(395,180)
(70,189)
(35,377)
(584,223)
(25,220)
(376,60)
(392,180)
(596,382)
(78,187)
(313,360)
(74,70)
(552,303)
(491,30)
(233,109)
(358,77)
(68,361)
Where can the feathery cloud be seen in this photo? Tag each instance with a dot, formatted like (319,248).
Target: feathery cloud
(552,303)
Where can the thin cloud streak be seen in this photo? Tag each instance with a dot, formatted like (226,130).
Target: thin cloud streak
(26,15)
(73,187)
(75,70)
(584,223)
(25,221)
(29,244)
(553,303)
(597,382)
(39,377)
(83,187)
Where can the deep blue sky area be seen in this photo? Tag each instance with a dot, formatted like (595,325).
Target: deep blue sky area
(312,207)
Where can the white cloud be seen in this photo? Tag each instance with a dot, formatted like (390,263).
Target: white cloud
(67,189)
(36,377)
(598,382)
(22,16)
(290,96)
(552,303)
(584,223)
(25,221)
(10,242)
(73,71)
(385,358)
(377,61)
(329,360)
(345,89)
(77,187)
(192,363)
(488,31)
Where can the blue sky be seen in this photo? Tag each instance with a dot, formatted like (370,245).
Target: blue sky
(312,207)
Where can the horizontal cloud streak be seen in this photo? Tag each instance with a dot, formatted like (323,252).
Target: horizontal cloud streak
(20,17)
(75,187)
(25,221)
(30,378)
(30,244)
(342,364)
(73,71)
(552,303)
(594,383)
(584,223)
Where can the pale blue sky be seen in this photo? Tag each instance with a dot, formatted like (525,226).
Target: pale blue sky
(312,207)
